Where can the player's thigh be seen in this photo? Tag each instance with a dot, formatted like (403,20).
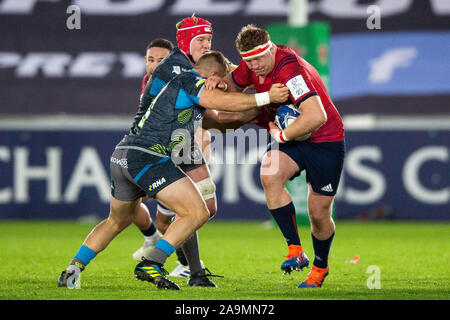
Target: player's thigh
(199,173)
(182,197)
(125,194)
(323,163)
(203,139)
(143,219)
(318,204)
(123,212)
(169,185)
(123,188)
(195,167)
(277,167)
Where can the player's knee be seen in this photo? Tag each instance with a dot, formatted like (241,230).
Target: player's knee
(163,218)
(207,189)
(319,206)
(121,217)
(161,226)
(319,214)
(204,216)
(199,214)
(270,181)
(211,204)
(117,225)
(193,210)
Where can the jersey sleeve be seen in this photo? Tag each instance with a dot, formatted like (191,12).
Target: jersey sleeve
(191,87)
(158,80)
(242,76)
(299,83)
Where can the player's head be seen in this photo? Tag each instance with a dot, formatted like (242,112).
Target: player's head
(212,63)
(157,50)
(194,37)
(256,49)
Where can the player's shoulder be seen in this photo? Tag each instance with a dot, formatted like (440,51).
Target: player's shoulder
(177,58)
(188,79)
(191,77)
(287,63)
(174,64)
(285,56)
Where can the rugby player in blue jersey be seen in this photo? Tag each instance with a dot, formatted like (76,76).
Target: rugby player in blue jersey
(156,51)
(194,37)
(145,163)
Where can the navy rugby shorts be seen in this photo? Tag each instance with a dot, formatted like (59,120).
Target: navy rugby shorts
(322,161)
(135,174)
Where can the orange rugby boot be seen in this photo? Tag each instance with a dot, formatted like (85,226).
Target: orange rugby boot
(296,259)
(315,278)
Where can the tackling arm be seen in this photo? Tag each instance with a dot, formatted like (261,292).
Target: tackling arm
(242,117)
(236,101)
(223,120)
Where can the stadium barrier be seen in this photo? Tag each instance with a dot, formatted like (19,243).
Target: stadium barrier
(58,168)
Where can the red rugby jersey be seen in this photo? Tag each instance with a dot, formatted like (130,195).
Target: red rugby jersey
(303,81)
(144,83)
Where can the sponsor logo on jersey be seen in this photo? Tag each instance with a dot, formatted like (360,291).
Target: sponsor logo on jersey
(176,69)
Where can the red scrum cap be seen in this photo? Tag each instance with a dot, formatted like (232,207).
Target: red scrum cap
(190,29)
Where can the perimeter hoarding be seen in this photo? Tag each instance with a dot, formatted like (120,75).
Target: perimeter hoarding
(65,175)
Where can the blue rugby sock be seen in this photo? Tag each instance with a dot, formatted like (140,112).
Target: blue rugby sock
(84,255)
(286,220)
(162,251)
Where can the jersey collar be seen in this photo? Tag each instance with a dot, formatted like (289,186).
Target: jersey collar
(192,71)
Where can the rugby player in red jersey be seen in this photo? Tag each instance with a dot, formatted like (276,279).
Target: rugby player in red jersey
(321,155)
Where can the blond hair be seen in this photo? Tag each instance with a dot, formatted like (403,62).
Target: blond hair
(213,60)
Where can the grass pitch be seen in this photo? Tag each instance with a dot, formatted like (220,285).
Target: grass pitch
(413,260)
